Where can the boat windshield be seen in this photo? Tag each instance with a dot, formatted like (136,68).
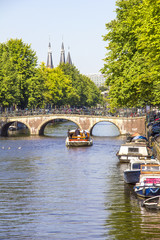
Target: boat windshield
(133,150)
(136,166)
(145,169)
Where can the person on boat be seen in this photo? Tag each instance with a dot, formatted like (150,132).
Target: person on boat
(69,134)
(77,132)
(85,134)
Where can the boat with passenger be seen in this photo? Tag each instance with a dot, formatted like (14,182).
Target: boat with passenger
(132,173)
(149,182)
(133,150)
(78,138)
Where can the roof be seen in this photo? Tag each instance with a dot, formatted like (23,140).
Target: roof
(62,56)
(49,57)
(69,58)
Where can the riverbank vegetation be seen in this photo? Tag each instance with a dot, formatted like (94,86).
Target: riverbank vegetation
(133,54)
(25,84)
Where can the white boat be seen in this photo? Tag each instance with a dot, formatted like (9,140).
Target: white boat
(78,138)
(132,173)
(133,150)
(149,182)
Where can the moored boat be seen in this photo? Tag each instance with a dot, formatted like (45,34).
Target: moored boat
(78,138)
(149,183)
(133,150)
(132,173)
(152,203)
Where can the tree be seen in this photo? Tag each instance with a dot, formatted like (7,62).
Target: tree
(89,94)
(57,86)
(133,54)
(17,66)
(36,90)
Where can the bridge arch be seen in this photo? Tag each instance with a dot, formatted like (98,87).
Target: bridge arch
(44,123)
(35,123)
(99,121)
(5,127)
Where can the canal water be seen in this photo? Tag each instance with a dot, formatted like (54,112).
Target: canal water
(49,191)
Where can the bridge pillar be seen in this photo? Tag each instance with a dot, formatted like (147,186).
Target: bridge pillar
(85,123)
(33,124)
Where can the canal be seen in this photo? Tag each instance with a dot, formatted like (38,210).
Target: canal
(49,191)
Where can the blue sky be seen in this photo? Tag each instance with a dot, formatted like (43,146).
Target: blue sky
(80,24)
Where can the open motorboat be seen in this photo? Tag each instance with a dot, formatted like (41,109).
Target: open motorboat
(149,182)
(132,173)
(133,150)
(152,203)
(78,138)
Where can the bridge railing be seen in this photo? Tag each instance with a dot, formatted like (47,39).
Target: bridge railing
(79,111)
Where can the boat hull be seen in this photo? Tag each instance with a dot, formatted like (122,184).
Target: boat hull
(131,176)
(147,191)
(78,143)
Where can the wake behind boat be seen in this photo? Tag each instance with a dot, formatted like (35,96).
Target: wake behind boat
(78,138)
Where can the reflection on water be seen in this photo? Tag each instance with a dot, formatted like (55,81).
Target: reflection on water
(49,191)
(59,129)
(127,218)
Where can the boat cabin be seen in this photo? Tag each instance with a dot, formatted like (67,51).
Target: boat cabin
(136,164)
(133,150)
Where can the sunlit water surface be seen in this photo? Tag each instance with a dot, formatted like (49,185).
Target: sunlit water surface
(49,191)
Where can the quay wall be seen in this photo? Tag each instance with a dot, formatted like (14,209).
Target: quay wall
(156,147)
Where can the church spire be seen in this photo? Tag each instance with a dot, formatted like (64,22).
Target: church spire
(49,57)
(62,57)
(69,58)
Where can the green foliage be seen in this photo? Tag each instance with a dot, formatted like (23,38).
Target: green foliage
(17,64)
(57,86)
(23,84)
(87,92)
(36,90)
(133,54)
(103,88)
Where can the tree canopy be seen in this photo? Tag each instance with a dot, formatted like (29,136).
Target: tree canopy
(88,92)
(24,84)
(17,65)
(133,54)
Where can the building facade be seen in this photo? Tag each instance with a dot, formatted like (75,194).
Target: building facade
(97,78)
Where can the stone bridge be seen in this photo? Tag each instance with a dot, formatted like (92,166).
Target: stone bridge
(37,123)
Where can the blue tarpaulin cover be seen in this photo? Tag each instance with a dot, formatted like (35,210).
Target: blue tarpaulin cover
(140,137)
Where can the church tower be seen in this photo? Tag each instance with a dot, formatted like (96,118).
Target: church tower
(69,58)
(49,57)
(62,57)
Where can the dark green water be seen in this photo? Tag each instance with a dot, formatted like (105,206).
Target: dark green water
(48,191)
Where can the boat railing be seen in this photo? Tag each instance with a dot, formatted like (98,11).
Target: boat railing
(78,137)
(150,169)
